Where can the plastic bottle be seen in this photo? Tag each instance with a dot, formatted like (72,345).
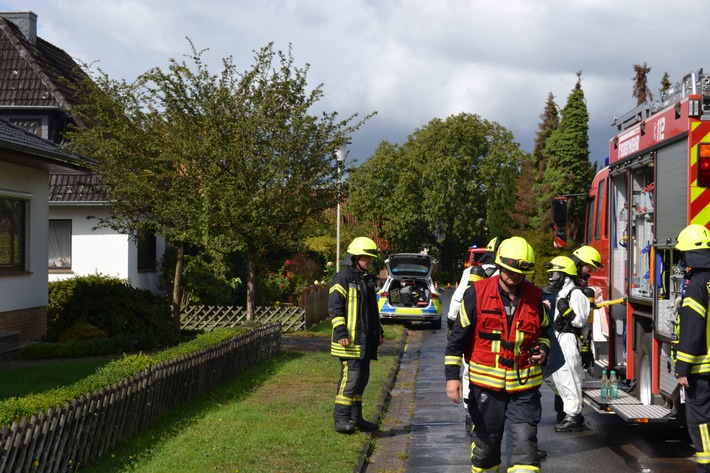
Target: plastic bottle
(613,385)
(604,389)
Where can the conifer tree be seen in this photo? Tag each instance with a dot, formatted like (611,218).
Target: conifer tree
(641,92)
(567,168)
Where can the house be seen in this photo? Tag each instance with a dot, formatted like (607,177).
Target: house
(26,162)
(34,95)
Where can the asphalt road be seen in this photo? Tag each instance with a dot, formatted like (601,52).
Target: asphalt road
(423,431)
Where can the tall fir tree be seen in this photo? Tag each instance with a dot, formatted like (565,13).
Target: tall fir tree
(641,92)
(567,167)
(532,176)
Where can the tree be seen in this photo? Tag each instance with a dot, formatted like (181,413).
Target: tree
(227,162)
(567,169)
(665,83)
(530,185)
(642,93)
(450,185)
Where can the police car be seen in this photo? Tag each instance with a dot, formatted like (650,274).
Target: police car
(409,292)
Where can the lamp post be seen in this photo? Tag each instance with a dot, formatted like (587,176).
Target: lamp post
(340,158)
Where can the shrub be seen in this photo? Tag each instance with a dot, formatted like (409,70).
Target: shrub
(109,304)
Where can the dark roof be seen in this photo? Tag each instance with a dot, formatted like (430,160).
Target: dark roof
(46,154)
(33,75)
(75,188)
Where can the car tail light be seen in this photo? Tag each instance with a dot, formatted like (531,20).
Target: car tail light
(383,294)
(435,296)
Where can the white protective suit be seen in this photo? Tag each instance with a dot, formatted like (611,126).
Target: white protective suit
(568,378)
(454,307)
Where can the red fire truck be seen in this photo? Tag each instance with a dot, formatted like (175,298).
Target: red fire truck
(657,181)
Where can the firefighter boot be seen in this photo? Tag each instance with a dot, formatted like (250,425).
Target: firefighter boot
(341,415)
(570,424)
(357,421)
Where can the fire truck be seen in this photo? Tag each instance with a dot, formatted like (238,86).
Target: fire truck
(655,182)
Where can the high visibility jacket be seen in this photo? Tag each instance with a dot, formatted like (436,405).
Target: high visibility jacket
(352,307)
(496,348)
(692,353)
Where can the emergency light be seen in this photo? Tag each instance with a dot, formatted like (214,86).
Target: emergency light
(704,165)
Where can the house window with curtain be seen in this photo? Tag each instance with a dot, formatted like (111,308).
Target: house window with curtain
(12,234)
(59,237)
(146,252)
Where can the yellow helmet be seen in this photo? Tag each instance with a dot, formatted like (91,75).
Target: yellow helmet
(693,237)
(363,246)
(491,246)
(563,264)
(517,255)
(588,255)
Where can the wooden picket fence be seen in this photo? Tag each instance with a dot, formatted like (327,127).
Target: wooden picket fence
(66,437)
(313,309)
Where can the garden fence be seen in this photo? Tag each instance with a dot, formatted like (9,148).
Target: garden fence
(66,437)
(312,309)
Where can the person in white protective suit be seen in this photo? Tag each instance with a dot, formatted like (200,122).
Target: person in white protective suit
(486,267)
(571,317)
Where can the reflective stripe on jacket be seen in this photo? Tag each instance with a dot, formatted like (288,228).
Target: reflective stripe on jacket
(498,358)
(692,354)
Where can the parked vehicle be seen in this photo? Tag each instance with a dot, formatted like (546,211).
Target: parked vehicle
(473,255)
(409,292)
(657,181)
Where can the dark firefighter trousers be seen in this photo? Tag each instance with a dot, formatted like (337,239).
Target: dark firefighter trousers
(490,412)
(697,413)
(354,375)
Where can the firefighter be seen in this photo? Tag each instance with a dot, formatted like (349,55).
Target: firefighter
(357,333)
(692,353)
(470,275)
(503,329)
(572,312)
(587,260)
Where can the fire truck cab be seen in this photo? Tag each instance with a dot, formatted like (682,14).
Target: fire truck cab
(655,183)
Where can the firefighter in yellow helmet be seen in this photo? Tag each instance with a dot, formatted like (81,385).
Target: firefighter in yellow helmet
(356,334)
(587,260)
(692,355)
(503,332)
(482,269)
(572,313)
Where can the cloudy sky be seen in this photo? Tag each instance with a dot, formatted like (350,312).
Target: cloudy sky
(409,60)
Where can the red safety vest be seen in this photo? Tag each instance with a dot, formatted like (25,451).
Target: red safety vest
(498,359)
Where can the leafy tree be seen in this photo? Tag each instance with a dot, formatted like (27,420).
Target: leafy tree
(450,185)
(225,162)
(567,169)
(641,91)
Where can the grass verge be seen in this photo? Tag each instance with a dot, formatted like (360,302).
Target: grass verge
(23,378)
(275,417)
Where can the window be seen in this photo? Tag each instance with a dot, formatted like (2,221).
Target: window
(590,220)
(32,125)
(600,211)
(146,252)
(59,237)
(12,234)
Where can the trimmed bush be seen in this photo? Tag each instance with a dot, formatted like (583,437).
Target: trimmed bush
(110,305)
(14,409)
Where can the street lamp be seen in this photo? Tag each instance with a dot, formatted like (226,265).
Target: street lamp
(340,158)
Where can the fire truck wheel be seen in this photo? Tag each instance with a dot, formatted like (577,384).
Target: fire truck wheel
(643,370)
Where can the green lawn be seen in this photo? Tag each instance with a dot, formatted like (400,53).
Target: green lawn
(276,417)
(30,378)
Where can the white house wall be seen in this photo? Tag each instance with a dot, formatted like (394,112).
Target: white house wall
(101,251)
(28,289)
